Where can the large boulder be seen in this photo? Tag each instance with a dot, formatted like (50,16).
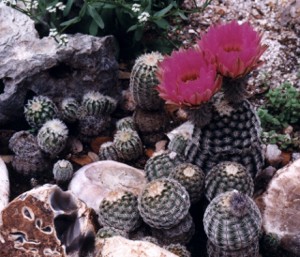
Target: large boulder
(33,66)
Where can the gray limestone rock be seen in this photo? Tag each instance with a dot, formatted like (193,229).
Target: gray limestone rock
(33,66)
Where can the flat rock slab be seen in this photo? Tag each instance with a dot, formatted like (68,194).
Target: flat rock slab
(94,181)
(4,185)
(33,66)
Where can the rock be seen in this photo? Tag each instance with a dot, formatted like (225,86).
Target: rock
(118,246)
(46,221)
(280,207)
(92,182)
(4,186)
(33,66)
(273,155)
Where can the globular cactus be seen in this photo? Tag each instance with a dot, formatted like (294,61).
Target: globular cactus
(191,177)
(250,251)
(52,137)
(232,221)
(143,81)
(182,233)
(108,151)
(62,171)
(119,209)
(126,123)
(69,109)
(23,143)
(163,203)
(39,110)
(178,144)
(92,126)
(107,232)
(97,104)
(232,135)
(128,144)
(178,249)
(161,164)
(227,176)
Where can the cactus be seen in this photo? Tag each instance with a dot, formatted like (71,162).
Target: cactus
(39,110)
(161,164)
(143,81)
(126,123)
(178,144)
(119,209)
(97,104)
(150,239)
(108,151)
(23,143)
(227,176)
(182,233)
(163,203)
(52,137)
(93,126)
(232,135)
(178,249)
(128,143)
(250,251)
(62,171)
(69,109)
(107,232)
(232,221)
(191,177)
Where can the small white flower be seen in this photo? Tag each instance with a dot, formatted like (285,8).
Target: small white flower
(51,9)
(35,4)
(63,40)
(143,17)
(53,33)
(136,7)
(60,6)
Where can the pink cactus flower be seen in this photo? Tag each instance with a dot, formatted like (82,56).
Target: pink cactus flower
(235,48)
(186,79)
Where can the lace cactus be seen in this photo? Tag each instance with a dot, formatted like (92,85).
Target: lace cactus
(108,151)
(52,137)
(97,104)
(163,203)
(93,125)
(69,109)
(126,123)
(161,164)
(119,209)
(62,171)
(23,143)
(128,143)
(227,176)
(143,81)
(232,221)
(39,110)
(191,177)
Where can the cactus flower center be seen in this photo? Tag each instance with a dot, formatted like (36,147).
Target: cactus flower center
(189,172)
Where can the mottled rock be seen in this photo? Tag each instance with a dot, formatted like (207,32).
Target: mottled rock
(33,66)
(94,181)
(273,155)
(280,207)
(118,246)
(46,221)
(4,186)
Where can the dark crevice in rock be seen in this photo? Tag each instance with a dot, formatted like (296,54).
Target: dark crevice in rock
(29,95)
(2,86)
(60,71)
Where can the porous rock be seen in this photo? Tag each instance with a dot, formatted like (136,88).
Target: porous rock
(118,246)
(33,66)
(4,185)
(94,181)
(280,207)
(46,221)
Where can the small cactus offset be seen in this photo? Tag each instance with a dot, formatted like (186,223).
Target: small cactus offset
(143,81)
(52,137)
(119,209)
(227,176)
(39,110)
(97,104)
(62,171)
(182,233)
(69,109)
(128,144)
(107,232)
(161,164)
(125,123)
(178,249)
(92,126)
(163,203)
(191,177)
(108,151)
(232,221)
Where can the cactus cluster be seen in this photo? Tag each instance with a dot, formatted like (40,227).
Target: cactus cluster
(119,209)
(163,203)
(62,171)
(227,176)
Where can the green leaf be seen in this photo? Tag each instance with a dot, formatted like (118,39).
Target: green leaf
(138,34)
(162,12)
(182,15)
(68,7)
(133,27)
(70,22)
(93,29)
(162,23)
(95,15)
